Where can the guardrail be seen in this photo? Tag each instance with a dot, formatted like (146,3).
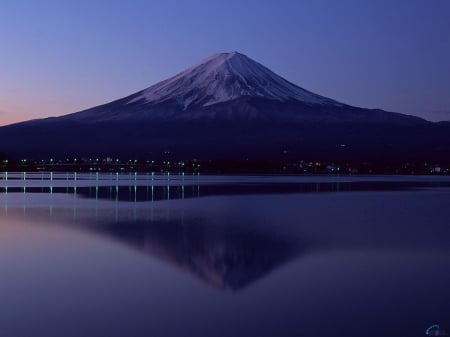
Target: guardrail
(92,176)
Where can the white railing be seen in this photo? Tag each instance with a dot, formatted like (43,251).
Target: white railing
(94,178)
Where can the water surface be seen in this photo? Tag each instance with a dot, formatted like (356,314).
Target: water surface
(224,255)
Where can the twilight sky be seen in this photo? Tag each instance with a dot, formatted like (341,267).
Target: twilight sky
(58,57)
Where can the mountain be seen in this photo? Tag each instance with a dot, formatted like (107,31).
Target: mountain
(220,257)
(228,106)
(230,86)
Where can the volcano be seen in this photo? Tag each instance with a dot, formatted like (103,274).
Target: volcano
(229,107)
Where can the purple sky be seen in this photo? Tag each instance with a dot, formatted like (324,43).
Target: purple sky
(59,57)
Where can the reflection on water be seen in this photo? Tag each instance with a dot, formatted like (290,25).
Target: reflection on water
(225,257)
(150,192)
(300,258)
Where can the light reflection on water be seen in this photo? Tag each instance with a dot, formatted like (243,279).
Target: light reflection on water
(263,258)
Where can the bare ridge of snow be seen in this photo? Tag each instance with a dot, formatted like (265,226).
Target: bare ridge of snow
(224,77)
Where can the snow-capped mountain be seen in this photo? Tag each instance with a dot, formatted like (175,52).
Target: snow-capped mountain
(233,87)
(228,106)
(225,77)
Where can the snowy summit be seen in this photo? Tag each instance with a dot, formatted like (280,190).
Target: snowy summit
(231,87)
(225,77)
(228,107)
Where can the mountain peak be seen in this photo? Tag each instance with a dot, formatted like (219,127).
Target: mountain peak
(225,56)
(228,54)
(225,77)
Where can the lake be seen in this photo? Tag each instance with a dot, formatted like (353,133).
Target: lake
(158,255)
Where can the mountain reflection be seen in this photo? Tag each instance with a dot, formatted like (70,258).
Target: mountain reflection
(225,257)
(228,255)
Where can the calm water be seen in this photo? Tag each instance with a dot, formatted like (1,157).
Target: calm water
(224,256)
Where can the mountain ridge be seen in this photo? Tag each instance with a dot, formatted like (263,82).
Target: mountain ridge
(229,106)
(203,83)
(202,90)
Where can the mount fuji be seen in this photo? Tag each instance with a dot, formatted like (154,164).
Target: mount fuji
(228,106)
(230,86)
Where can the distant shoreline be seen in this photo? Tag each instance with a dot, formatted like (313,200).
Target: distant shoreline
(300,167)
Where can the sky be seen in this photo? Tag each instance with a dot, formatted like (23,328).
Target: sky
(59,57)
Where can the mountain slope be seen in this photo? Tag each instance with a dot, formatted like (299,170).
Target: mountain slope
(230,86)
(224,77)
(228,106)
